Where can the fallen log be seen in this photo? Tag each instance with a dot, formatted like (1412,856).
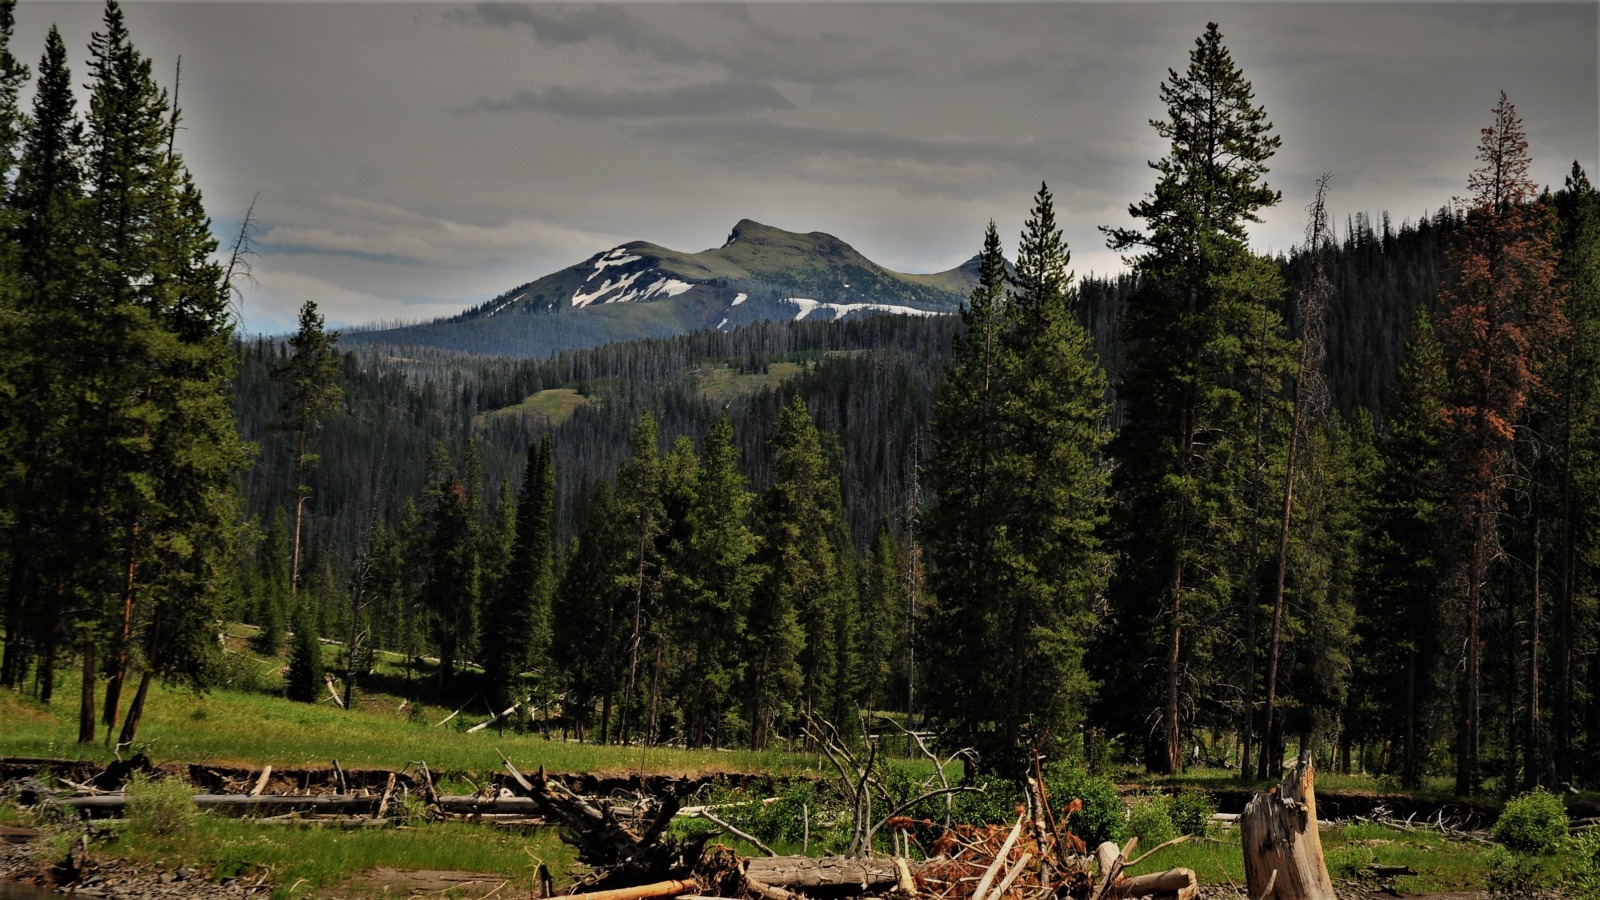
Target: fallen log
(669,888)
(828,871)
(1282,850)
(1178,882)
(268,804)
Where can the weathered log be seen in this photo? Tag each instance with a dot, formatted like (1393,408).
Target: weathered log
(828,871)
(493,719)
(669,888)
(383,803)
(329,804)
(1172,881)
(1279,831)
(261,783)
(268,804)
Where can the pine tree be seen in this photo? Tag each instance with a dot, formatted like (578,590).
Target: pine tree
(793,619)
(1045,503)
(715,579)
(641,518)
(880,615)
(1201,333)
(1400,619)
(155,448)
(37,277)
(311,392)
(272,583)
(304,679)
(451,580)
(966,512)
(1576,380)
(592,608)
(516,629)
(1499,304)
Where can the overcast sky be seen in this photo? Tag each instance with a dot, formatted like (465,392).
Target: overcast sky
(413,159)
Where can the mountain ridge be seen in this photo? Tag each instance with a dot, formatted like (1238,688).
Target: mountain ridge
(643,289)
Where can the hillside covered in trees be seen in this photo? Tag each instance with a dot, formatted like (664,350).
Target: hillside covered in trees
(1215,507)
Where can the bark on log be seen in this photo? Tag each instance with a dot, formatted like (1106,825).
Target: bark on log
(1279,831)
(828,871)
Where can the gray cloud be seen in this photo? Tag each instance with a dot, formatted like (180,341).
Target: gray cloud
(756,52)
(608,24)
(722,98)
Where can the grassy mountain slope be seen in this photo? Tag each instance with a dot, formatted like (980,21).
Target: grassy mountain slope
(642,289)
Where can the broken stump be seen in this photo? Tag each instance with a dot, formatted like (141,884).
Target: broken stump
(1282,851)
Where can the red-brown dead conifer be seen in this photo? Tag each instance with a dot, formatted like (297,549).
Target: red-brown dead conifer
(1499,305)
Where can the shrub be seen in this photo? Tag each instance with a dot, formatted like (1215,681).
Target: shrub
(1149,821)
(1191,810)
(159,806)
(1102,817)
(1534,822)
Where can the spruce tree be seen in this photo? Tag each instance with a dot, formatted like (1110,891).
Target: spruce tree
(794,617)
(1200,331)
(1575,408)
(272,585)
(715,577)
(155,449)
(1400,620)
(641,518)
(311,391)
(1043,502)
(516,628)
(37,279)
(451,574)
(304,679)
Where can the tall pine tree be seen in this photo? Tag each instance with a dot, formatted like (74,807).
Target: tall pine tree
(1194,324)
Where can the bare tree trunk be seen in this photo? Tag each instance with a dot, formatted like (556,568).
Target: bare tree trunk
(125,636)
(86,695)
(1468,731)
(1533,774)
(1173,757)
(1569,565)
(130,724)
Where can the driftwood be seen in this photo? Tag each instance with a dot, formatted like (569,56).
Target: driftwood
(266,772)
(1282,850)
(1179,884)
(827,871)
(669,888)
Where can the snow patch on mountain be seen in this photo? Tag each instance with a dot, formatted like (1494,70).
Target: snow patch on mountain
(807,306)
(739,299)
(616,257)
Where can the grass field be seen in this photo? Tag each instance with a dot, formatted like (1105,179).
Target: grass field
(552,406)
(252,726)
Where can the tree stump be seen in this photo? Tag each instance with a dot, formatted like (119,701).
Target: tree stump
(1282,851)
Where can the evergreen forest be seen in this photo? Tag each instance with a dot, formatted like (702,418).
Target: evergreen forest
(1214,511)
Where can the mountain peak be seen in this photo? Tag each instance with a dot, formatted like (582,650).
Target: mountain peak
(751,231)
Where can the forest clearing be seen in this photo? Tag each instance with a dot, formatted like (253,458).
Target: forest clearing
(276,816)
(1264,563)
